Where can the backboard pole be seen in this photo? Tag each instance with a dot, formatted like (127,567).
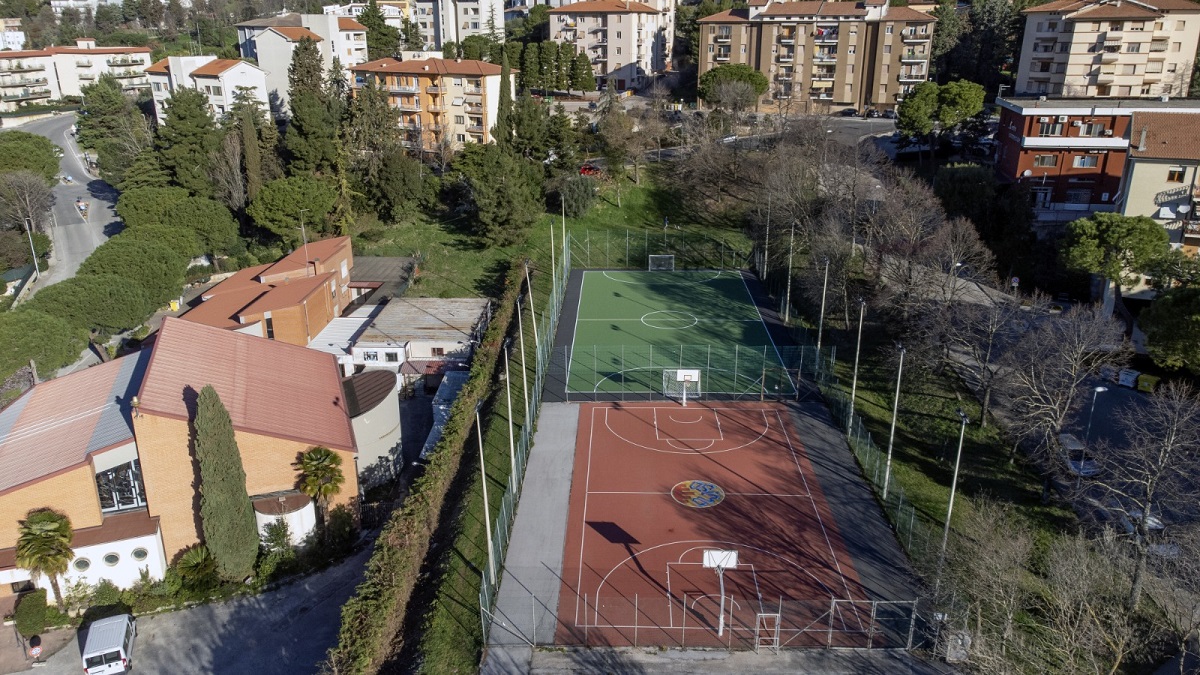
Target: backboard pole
(721,617)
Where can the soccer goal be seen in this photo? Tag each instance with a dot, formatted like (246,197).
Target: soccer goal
(662,263)
(682,384)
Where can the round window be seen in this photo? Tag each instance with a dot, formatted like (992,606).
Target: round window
(140,554)
(82,565)
(111,559)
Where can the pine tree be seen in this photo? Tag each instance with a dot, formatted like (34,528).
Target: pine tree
(532,63)
(251,155)
(566,62)
(411,37)
(582,77)
(305,73)
(382,40)
(311,141)
(503,131)
(145,171)
(226,514)
(187,140)
(548,62)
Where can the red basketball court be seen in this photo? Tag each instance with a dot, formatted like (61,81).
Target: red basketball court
(655,486)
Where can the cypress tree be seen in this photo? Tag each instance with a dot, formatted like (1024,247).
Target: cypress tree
(251,155)
(532,66)
(187,141)
(549,62)
(305,72)
(503,131)
(582,77)
(226,514)
(382,40)
(311,140)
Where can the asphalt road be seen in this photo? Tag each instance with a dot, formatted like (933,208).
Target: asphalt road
(288,630)
(75,237)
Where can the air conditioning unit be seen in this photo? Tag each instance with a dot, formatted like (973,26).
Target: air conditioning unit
(1043,119)
(1062,118)
(1077,123)
(1108,132)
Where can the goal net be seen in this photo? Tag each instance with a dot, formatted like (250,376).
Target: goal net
(662,263)
(682,384)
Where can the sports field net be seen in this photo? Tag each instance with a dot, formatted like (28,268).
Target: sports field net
(662,263)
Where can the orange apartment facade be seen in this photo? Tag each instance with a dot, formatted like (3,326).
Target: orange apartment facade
(290,300)
(110,447)
(1071,153)
(442,102)
(818,56)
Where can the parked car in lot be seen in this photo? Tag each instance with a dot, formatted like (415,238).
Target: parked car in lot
(873,113)
(849,112)
(109,645)
(889,114)
(1079,462)
(589,170)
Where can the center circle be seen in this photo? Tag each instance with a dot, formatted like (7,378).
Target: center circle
(697,494)
(670,320)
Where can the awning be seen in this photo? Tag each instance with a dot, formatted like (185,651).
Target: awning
(1165,213)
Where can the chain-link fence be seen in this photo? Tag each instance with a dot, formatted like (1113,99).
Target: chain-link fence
(632,248)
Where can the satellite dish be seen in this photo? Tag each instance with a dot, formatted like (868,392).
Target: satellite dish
(1026,173)
(1183,209)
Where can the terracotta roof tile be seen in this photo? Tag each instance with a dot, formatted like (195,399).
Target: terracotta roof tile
(605,7)
(429,67)
(286,294)
(215,68)
(728,16)
(346,23)
(814,8)
(295,33)
(907,14)
(162,67)
(1122,11)
(269,388)
(1169,135)
(289,19)
(58,423)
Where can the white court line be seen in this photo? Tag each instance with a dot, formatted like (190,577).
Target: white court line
(614,432)
(574,332)
(698,319)
(664,494)
(583,522)
(824,532)
(795,385)
(642,283)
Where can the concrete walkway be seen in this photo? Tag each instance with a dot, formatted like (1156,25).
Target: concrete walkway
(527,602)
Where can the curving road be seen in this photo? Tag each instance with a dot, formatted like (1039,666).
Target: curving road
(75,237)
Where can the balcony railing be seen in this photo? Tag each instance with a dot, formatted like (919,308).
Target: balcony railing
(408,106)
(27,95)
(123,74)
(823,75)
(87,76)
(473,91)
(913,77)
(402,88)
(784,77)
(135,84)
(23,82)
(786,58)
(909,36)
(83,63)
(436,108)
(20,67)
(723,37)
(475,129)
(434,89)
(825,57)
(912,56)
(125,61)
(722,57)
(787,38)
(827,36)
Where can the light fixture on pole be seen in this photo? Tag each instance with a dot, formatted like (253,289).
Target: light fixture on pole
(962,432)
(37,274)
(487,511)
(821,319)
(887,471)
(862,308)
(1087,437)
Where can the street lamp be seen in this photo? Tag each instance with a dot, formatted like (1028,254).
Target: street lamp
(787,295)
(821,319)
(862,308)
(962,432)
(887,472)
(37,274)
(1087,437)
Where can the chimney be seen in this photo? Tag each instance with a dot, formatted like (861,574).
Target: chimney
(1142,142)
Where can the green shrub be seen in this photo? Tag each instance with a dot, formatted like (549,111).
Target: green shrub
(577,195)
(276,556)
(30,616)
(340,529)
(106,593)
(197,570)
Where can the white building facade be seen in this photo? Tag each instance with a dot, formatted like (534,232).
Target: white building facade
(218,79)
(39,76)
(394,13)
(442,21)
(626,42)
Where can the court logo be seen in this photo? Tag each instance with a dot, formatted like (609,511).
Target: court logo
(697,494)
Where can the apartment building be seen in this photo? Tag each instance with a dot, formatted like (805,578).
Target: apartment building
(1162,174)
(85,6)
(1071,152)
(442,21)
(626,41)
(819,56)
(394,11)
(37,76)
(219,80)
(441,101)
(1109,48)
(11,35)
(111,446)
(271,41)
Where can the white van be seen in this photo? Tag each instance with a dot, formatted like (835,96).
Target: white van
(109,646)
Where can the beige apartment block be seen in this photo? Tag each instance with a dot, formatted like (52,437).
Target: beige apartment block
(1162,174)
(1117,48)
(820,56)
(37,76)
(443,103)
(625,41)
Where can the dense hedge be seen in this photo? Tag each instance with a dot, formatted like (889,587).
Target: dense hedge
(376,613)
(30,615)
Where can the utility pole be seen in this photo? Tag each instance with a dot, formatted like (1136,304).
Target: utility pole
(787,303)
(887,472)
(821,319)
(953,487)
(37,274)
(862,308)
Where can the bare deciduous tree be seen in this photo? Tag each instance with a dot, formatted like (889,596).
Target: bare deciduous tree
(976,334)
(1152,473)
(228,177)
(734,96)
(24,197)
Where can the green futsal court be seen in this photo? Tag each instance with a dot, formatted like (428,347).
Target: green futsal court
(631,326)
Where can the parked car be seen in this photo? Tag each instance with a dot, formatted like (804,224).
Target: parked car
(850,112)
(873,113)
(889,114)
(109,646)
(589,170)
(1079,462)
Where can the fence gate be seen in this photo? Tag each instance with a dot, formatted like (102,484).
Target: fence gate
(766,632)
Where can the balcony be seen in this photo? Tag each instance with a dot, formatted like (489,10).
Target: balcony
(784,77)
(408,106)
(27,95)
(785,58)
(787,38)
(723,37)
(912,57)
(125,61)
(911,37)
(87,76)
(434,89)
(131,85)
(1109,57)
(602,43)
(722,56)
(825,36)
(125,74)
(913,76)
(473,91)
(598,29)
(825,57)
(824,75)
(20,67)
(402,88)
(83,63)
(23,82)
(436,109)
(821,95)
(475,129)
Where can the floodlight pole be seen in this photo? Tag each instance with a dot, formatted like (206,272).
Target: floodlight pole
(512,453)
(37,274)
(304,235)
(521,337)
(1087,437)
(767,243)
(787,302)
(962,431)
(528,285)
(862,308)
(821,319)
(553,266)
(887,472)
(487,511)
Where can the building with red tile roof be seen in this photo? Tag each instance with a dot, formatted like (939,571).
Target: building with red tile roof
(1108,48)
(290,300)
(40,75)
(627,42)
(220,80)
(1162,173)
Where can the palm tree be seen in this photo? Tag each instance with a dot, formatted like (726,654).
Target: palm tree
(44,547)
(320,475)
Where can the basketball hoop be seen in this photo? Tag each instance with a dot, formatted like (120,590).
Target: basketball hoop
(719,560)
(685,379)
